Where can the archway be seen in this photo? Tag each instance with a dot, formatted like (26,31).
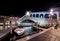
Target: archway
(28,21)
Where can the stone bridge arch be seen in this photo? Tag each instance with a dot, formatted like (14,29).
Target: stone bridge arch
(28,20)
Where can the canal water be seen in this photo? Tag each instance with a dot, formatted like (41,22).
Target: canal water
(27,30)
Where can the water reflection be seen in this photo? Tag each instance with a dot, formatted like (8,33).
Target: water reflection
(27,30)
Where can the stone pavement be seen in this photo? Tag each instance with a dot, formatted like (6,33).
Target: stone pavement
(52,35)
(4,32)
(55,34)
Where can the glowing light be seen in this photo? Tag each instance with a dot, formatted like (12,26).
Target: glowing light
(13,22)
(51,12)
(18,22)
(27,13)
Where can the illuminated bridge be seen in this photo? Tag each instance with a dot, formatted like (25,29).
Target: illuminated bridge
(39,17)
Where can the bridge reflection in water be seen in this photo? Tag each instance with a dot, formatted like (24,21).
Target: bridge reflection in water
(27,30)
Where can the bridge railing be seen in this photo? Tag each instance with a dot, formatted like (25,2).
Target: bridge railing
(23,18)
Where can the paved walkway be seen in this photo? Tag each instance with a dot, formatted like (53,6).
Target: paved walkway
(55,34)
(56,31)
(3,33)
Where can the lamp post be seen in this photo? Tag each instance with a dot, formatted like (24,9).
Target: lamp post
(51,17)
(51,13)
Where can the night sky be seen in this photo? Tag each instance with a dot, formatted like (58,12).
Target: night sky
(18,8)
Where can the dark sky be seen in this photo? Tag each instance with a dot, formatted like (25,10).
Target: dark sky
(18,8)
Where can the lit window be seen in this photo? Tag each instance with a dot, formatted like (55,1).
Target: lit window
(13,22)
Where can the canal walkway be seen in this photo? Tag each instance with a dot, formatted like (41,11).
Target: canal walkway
(4,33)
(55,34)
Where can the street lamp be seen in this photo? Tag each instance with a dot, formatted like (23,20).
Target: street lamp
(51,12)
(51,17)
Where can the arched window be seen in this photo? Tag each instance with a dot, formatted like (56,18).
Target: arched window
(55,16)
(30,15)
(41,15)
(27,21)
(33,15)
(37,15)
(46,15)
